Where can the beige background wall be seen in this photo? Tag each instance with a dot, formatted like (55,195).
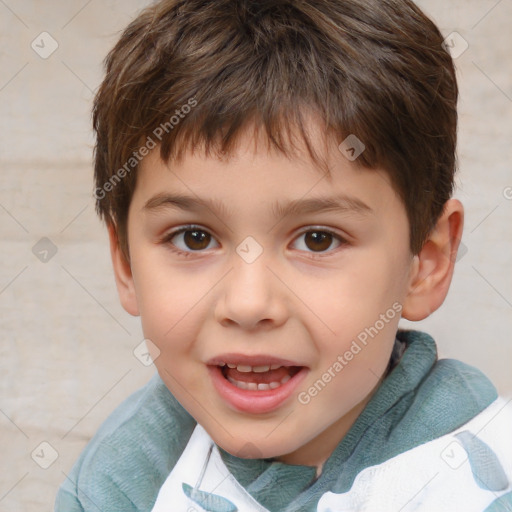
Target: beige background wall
(66,346)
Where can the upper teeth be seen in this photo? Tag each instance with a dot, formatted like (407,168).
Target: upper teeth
(258,369)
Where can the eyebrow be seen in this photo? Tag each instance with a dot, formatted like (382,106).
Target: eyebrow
(341,203)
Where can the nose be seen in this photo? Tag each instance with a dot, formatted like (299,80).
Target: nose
(252,297)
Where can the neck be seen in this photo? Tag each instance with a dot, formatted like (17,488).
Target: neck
(318,450)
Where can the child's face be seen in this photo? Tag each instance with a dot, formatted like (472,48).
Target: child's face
(221,301)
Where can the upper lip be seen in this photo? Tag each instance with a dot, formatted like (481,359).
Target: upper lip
(250,360)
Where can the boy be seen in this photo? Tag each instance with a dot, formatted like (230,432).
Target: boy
(232,138)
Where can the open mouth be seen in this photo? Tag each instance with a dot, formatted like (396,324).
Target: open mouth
(255,384)
(258,378)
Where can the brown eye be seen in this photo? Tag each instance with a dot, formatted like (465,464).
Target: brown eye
(188,240)
(196,239)
(318,240)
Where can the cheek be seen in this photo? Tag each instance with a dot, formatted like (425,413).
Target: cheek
(350,368)
(361,310)
(166,301)
(354,299)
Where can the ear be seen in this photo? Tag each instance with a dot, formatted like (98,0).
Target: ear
(123,274)
(432,269)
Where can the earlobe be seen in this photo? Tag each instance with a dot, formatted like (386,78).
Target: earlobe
(432,269)
(123,274)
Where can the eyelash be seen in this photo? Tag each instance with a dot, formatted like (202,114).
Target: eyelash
(169,236)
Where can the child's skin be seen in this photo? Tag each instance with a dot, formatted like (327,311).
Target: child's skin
(287,304)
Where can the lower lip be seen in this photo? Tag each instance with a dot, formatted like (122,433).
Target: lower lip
(254,402)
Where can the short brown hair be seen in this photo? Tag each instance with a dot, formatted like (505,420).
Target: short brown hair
(376,69)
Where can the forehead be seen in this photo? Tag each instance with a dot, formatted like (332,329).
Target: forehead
(254,172)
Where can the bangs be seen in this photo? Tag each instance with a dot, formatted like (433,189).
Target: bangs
(289,133)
